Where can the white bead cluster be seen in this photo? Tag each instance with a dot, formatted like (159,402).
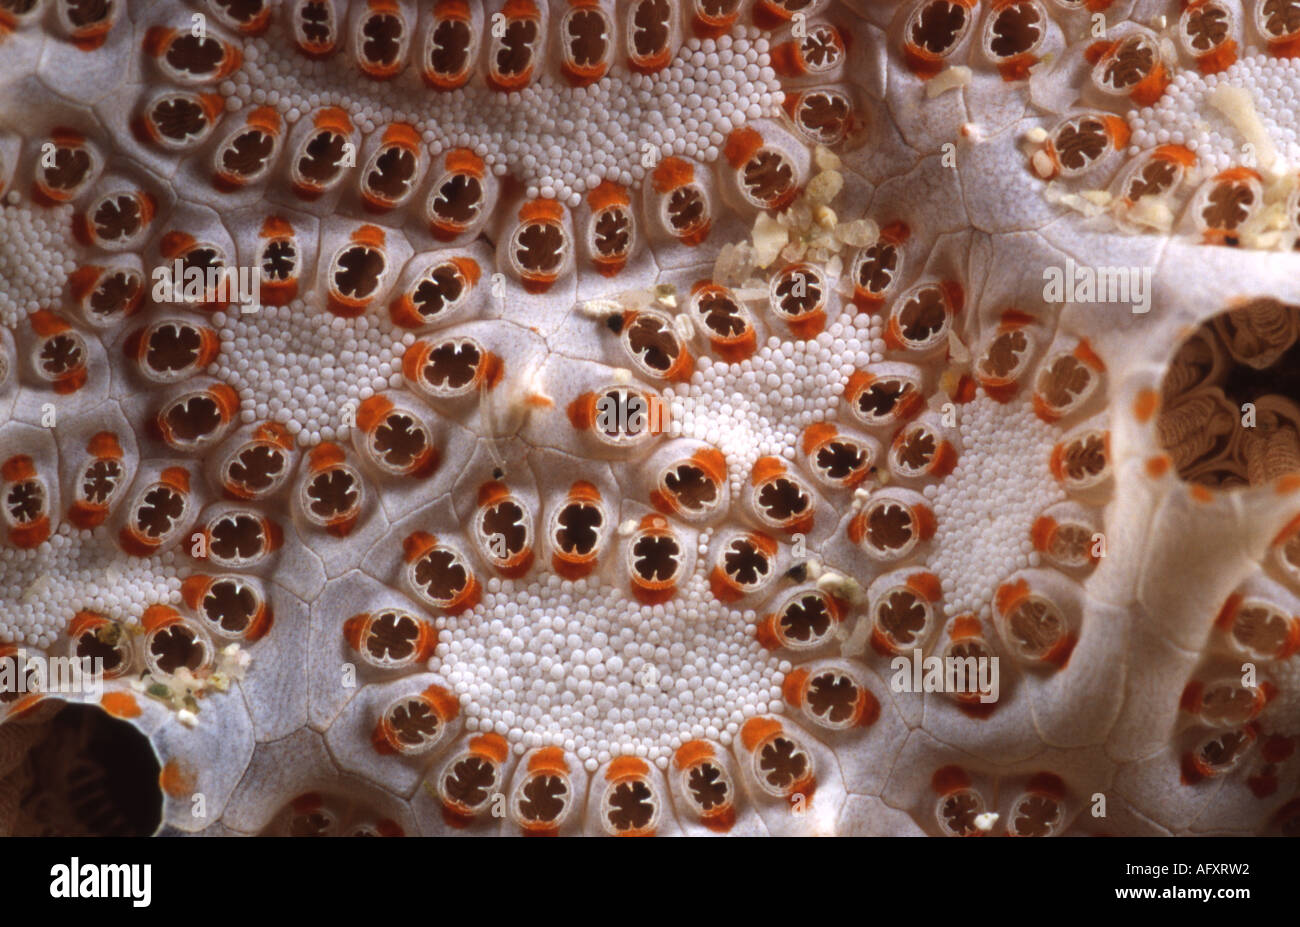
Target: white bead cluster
(759,406)
(560,141)
(35,258)
(987,505)
(583,666)
(301,366)
(1184,116)
(43,588)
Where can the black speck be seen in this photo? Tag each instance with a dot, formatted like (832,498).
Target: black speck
(614,323)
